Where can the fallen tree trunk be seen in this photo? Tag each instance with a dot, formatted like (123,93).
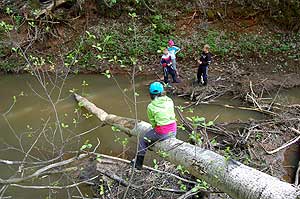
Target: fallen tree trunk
(51,6)
(237,180)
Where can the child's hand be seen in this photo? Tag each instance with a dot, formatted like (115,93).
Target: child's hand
(200,62)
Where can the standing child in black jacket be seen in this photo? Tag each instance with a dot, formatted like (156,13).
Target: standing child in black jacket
(204,61)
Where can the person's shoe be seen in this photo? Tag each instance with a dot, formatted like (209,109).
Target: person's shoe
(138,162)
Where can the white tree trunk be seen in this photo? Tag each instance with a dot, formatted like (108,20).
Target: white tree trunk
(237,180)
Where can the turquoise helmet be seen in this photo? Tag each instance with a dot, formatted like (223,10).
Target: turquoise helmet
(156,88)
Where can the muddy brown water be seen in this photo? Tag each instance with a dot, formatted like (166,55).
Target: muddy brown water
(30,111)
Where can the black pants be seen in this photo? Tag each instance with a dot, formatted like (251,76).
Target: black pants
(150,138)
(202,72)
(169,70)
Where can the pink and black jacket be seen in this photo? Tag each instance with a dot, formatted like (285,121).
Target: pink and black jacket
(166,60)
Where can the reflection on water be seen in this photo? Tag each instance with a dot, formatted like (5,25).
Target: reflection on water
(30,112)
(290,96)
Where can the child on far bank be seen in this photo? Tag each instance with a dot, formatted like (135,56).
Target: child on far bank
(204,62)
(173,50)
(166,63)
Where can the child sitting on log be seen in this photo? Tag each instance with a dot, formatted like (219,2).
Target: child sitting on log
(161,115)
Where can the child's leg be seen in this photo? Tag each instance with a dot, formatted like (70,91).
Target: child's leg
(146,141)
(199,74)
(174,64)
(205,74)
(150,138)
(173,74)
(166,74)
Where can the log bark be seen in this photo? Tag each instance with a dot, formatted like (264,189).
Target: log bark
(237,180)
(51,6)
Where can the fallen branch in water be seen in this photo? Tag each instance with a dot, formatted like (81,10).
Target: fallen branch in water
(293,141)
(16,162)
(54,187)
(237,180)
(42,170)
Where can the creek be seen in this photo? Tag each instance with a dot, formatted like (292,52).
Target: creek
(24,120)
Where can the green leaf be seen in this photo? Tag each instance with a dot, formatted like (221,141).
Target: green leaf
(80,104)
(98,158)
(190,110)
(181,126)
(107,74)
(133,15)
(115,129)
(83,147)
(210,123)
(188,118)
(64,125)
(214,142)
(200,119)
(195,189)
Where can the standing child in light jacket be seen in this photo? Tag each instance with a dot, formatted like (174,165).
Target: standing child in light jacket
(173,50)
(166,63)
(161,115)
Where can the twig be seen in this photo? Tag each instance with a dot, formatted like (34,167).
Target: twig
(295,130)
(117,178)
(12,162)
(36,140)
(297,175)
(191,192)
(97,145)
(42,170)
(270,106)
(54,187)
(193,17)
(183,120)
(294,140)
(148,168)
(147,6)
(254,101)
(170,190)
